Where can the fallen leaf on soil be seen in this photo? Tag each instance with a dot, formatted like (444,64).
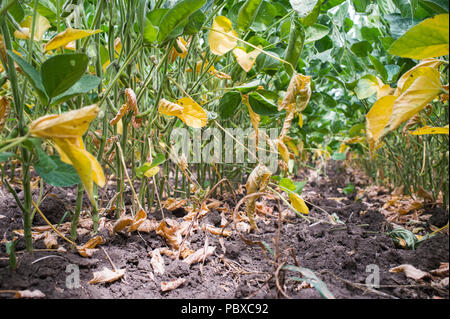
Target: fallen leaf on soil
(216,230)
(169,232)
(157,262)
(410,271)
(200,255)
(50,240)
(442,271)
(172,204)
(140,217)
(171,285)
(148,226)
(107,275)
(243,227)
(122,222)
(88,249)
(193,213)
(29,294)
(412,206)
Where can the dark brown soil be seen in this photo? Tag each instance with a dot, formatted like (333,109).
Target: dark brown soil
(338,254)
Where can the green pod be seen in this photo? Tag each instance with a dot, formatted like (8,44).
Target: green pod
(295,45)
(14,133)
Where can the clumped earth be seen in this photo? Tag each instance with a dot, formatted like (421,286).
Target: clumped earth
(339,254)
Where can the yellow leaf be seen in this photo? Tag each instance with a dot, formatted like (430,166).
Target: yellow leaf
(377,119)
(254,117)
(170,109)
(300,120)
(283,150)
(193,114)
(298,203)
(432,63)
(88,248)
(225,40)
(256,182)
(71,124)
(152,171)
(67,36)
(4,111)
(431,130)
(423,88)
(246,60)
(86,165)
(290,144)
(297,94)
(41,26)
(183,46)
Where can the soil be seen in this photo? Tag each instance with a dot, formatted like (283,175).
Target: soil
(340,254)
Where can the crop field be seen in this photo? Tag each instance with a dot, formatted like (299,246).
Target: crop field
(224,149)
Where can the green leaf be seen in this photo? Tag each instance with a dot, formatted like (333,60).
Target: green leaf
(176,16)
(62,71)
(287,183)
(349,189)
(311,18)
(195,23)
(32,75)
(4,156)
(360,5)
(261,105)
(52,170)
(17,12)
(248,87)
(311,277)
(362,48)
(304,8)
(84,85)
(62,175)
(229,103)
(339,156)
(356,129)
(316,32)
(427,39)
(150,32)
(379,67)
(247,13)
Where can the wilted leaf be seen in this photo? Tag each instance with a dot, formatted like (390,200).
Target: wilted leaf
(171,285)
(377,119)
(182,46)
(88,248)
(71,124)
(140,217)
(225,40)
(200,255)
(257,182)
(172,204)
(193,114)
(298,203)
(410,271)
(50,240)
(246,60)
(432,63)
(107,275)
(122,223)
(29,294)
(68,35)
(152,171)
(157,262)
(4,112)
(298,93)
(424,88)
(41,26)
(216,230)
(170,109)
(431,130)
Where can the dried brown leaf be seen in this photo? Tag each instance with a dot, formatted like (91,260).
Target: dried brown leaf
(50,240)
(88,249)
(200,255)
(410,271)
(171,285)
(157,262)
(107,275)
(29,294)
